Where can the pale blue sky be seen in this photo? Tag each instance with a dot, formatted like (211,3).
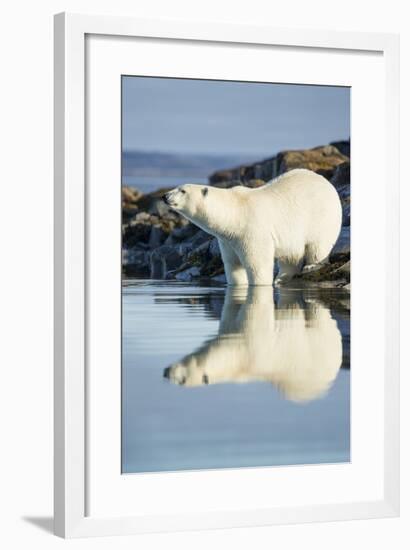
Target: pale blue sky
(217,117)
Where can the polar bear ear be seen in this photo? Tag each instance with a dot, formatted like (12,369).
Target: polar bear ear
(204,191)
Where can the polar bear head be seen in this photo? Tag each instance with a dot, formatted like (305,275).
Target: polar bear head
(212,209)
(190,200)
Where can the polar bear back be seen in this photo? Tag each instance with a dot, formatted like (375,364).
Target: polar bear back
(298,208)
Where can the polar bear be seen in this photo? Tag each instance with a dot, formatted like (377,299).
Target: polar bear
(296,218)
(296,349)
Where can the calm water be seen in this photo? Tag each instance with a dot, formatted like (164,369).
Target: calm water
(215,378)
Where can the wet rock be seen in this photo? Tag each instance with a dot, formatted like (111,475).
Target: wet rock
(341,180)
(135,234)
(132,256)
(139,228)
(188,274)
(342,245)
(346,212)
(199,253)
(341,176)
(184,232)
(184,248)
(199,238)
(157,236)
(162,260)
(219,279)
(344,269)
(212,267)
(214,249)
(329,273)
(135,262)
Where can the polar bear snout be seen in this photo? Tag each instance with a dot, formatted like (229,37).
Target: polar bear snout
(176,374)
(166,198)
(186,373)
(174,198)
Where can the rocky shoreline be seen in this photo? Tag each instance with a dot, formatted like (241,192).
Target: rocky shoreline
(157,243)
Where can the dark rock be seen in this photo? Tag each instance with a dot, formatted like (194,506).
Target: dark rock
(264,170)
(227,184)
(341,180)
(157,236)
(342,245)
(184,232)
(341,175)
(139,228)
(255,183)
(188,274)
(135,234)
(214,248)
(199,238)
(343,147)
(344,269)
(170,240)
(184,248)
(219,278)
(162,260)
(199,253)
(212,267)
(346,212)
(135,262)
(222,176)
(335,272)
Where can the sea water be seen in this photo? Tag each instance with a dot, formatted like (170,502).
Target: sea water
(193,396)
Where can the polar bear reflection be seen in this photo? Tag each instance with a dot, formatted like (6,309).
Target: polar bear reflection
(297,349)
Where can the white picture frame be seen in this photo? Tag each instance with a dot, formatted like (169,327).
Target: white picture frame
(70,263)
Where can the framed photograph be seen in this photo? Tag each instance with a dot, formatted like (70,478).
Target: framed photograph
(226,275)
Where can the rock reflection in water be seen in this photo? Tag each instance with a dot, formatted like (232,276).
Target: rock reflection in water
(294,345)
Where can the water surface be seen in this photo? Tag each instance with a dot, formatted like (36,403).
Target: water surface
(219,378)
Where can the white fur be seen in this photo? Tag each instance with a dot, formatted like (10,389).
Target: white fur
(298,350)
(295,218)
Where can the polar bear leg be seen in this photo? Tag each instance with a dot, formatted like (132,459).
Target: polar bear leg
(234,271)
(286,272)
(258,264)
(233,302)
(316,253)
